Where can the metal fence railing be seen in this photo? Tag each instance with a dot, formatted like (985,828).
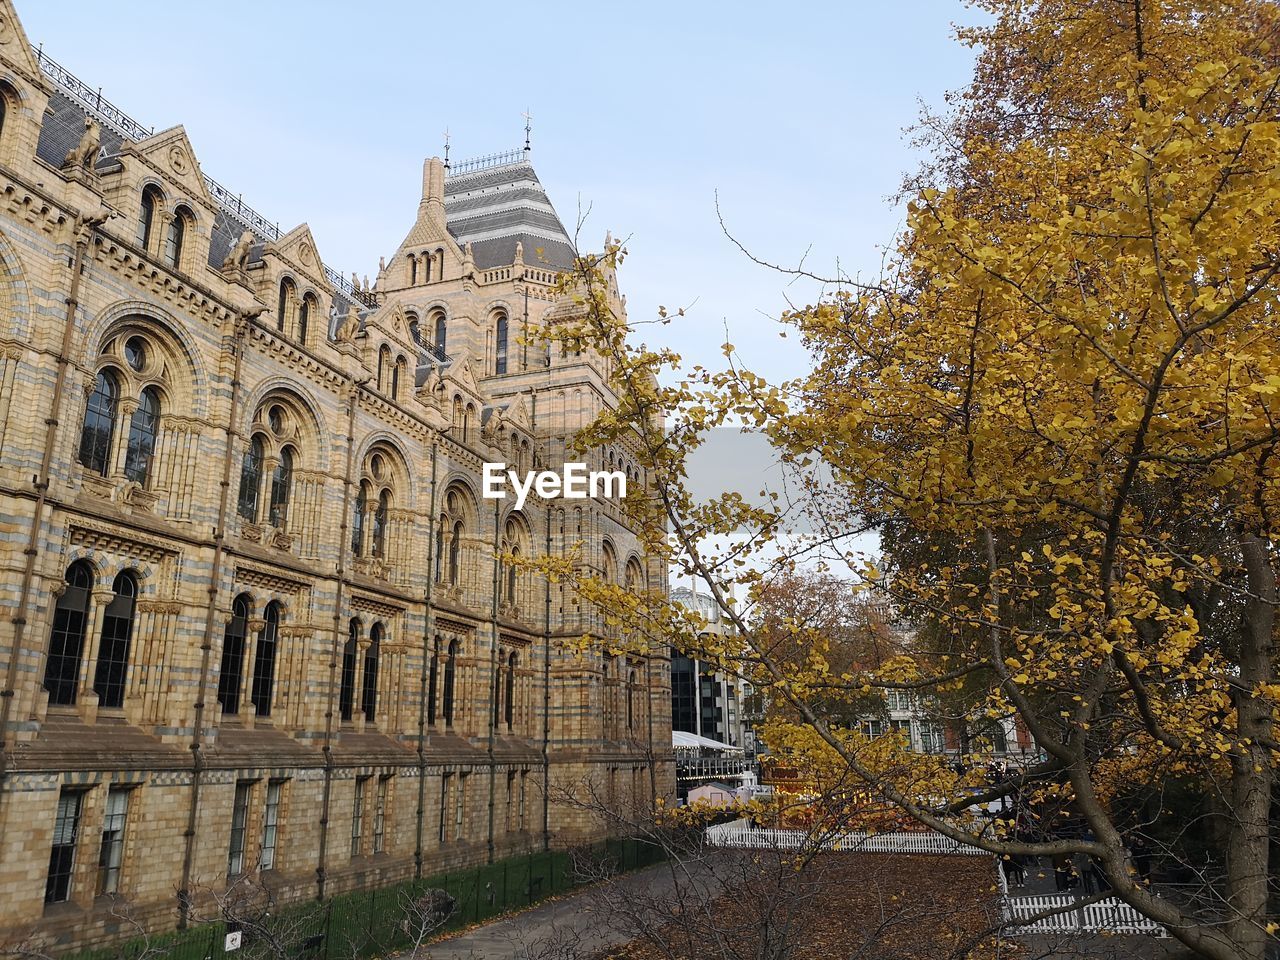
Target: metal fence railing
(737,835)
(376,922)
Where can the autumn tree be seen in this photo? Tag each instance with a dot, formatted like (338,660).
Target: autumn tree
(1059,407)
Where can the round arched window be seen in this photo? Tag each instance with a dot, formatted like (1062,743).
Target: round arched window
(135,353)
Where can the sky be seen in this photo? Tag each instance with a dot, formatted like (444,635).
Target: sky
(322,112)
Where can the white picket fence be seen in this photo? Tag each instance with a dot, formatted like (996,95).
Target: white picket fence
(738,834)
(1111,915)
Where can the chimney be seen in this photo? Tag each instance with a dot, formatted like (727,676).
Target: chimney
(432,188)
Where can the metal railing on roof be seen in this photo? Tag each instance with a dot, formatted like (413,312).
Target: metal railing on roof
(92,100)
(232,204)
(475,164)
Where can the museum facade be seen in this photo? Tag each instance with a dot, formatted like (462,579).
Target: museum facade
(257,614)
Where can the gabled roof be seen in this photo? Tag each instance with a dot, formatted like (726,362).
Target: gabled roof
(494,207)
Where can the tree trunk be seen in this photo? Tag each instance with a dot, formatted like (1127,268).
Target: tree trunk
(1252,776)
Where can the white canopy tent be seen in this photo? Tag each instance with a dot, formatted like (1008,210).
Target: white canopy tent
(692,741)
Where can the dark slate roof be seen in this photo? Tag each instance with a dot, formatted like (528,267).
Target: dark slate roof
(63,127)
(538,252)
(496,207)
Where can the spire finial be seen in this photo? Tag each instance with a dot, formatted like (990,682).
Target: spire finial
(446,148)
(528,131)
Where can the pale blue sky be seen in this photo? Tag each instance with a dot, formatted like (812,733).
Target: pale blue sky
(323,112)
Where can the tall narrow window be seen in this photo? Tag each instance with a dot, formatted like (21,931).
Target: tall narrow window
(440,264)
(415,331)
(113,650)
(511,691)
(304,316)
(264,661)
(150,203)
(358,521)
(380,815)
(369,683)
(442,330)
(460,806)
(231,674)
(99,424)
(284,303)
(175,237)
(66,641)
(347,690)
(433,678)
(500,362)
(455,553)
(144,427)
(631,701)
(384,370)
(281,483)
(397,375)
(439,558)
(270,825)
(413,270)
(250,480)
(379,532)
(62,852)
(450,670)
(357,816)
(239,819)
(111,852)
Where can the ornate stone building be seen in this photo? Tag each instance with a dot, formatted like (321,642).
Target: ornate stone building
(256,611)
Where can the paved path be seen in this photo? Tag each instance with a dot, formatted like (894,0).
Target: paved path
(536,931)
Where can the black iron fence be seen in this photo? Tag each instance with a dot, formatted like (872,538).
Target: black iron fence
(380,921)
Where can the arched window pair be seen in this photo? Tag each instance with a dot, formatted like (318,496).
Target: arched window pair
(464,419)
(514,543)
(67,639)
(271,440)
(293,316)
(97,434)
(391,374)
(181,224)
(234,643)
(371,520)
(449,535)
(251,470)
(505,707)
(369,676)
(376,524)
